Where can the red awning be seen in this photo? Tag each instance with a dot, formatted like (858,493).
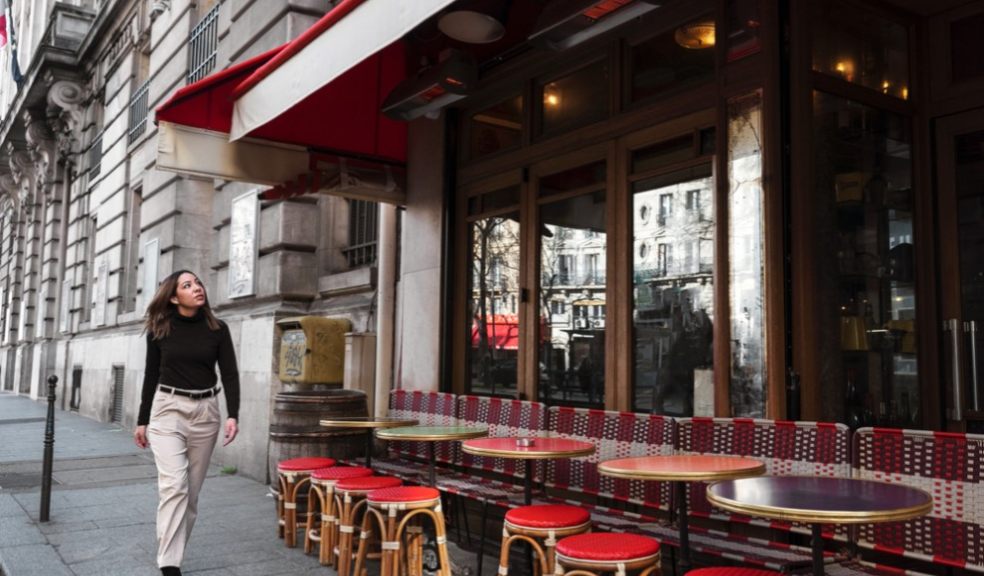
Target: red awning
(307,113)
(502,331)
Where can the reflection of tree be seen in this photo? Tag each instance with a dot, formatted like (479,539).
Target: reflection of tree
(495,274)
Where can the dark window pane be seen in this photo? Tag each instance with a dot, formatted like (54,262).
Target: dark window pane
(663,153)
(744,23)
(493,319)
(496,128)
(965,48)
(573,179)
(502,198)
(673,61)
(576,99)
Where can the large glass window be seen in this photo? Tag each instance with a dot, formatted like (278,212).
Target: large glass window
(493,297)
(572,303)
(673,295)
(746,248)
(865,268)
(860,46)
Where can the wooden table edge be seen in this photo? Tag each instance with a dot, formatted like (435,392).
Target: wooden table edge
(385,434)
(682,476)
(527,454)
(819,517)
(333,423)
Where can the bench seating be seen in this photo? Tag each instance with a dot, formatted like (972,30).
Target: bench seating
(949,466)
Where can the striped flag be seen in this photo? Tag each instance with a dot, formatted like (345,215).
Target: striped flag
(3,23)
(7,37)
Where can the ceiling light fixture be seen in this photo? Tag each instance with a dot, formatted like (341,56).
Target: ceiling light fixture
(471,27)
(695,35)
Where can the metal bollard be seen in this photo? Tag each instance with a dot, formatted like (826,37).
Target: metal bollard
(49,449)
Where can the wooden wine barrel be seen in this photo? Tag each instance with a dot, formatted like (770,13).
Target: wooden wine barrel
(295,430)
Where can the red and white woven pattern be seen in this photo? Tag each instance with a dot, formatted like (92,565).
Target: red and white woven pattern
(787,448)
(615,435)
(503,417)
(429,409)
(858,568)
(949,466)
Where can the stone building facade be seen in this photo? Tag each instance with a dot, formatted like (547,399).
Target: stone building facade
(88,226)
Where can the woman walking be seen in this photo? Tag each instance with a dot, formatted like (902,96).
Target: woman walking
(179,408)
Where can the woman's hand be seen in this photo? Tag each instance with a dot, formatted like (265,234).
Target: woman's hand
(140,437)
(231,430)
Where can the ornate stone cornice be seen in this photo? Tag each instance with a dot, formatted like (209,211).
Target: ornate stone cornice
(22,171)
(66,115)
(41,147)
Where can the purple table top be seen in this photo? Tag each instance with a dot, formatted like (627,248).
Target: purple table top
(820,499)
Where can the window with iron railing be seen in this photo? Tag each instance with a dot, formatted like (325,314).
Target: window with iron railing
(203,46)
(363,233)
(94,156)
(138,113)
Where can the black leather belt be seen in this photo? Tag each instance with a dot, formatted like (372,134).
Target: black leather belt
(193,395)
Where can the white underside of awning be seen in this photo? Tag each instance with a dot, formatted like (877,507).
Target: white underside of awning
(209,154)
(369,28)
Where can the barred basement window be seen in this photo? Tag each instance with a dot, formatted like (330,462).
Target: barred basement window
(363,233)
(94,156)
(203,46)
(76,399)
(118,372)
(138,113)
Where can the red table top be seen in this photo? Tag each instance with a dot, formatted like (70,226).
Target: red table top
(541,448)
(682,467)
(821,499)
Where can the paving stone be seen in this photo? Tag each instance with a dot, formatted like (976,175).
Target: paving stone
(33,560)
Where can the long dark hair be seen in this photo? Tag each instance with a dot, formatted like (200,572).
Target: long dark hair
(157,321)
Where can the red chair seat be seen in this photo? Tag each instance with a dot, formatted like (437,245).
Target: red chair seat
(731,571)
(404,494)
(368,483)
(607,547)
(339,472)
(548,516)
(305,464)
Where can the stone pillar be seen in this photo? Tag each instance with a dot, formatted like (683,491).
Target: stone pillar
(22,171)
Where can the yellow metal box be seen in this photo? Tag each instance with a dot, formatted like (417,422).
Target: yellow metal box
(312,349)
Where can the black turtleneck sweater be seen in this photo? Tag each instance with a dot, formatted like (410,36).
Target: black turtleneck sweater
(186,359)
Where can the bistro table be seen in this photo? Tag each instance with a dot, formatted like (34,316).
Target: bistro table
(527,449)
(820,500)
(431,435)
(680,469)
(369,423)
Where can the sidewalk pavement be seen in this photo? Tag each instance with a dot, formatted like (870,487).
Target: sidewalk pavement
(103,507)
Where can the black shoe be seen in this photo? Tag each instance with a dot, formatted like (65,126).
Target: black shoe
(170,571)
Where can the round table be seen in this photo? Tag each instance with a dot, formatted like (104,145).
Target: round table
(370,423)
(680,469)
(537,449)
(820,500)
(432,434)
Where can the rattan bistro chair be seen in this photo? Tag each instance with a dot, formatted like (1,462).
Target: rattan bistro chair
(291,475)
(593,553)
(541,526)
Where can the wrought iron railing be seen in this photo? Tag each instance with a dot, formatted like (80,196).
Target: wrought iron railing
(94,156)
(203,46)
(138,113)
(363,233)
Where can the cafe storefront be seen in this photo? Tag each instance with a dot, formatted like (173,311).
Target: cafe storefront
(755,208)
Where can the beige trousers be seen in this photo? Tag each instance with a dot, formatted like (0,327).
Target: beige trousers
(182,434)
